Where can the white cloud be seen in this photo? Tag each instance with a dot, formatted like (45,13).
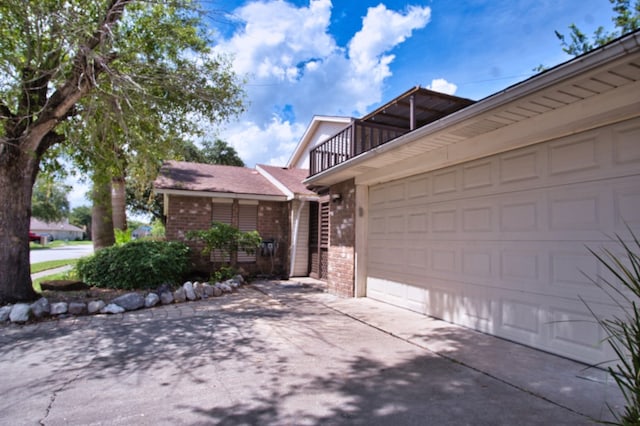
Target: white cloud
(443,86)
(296,69)
(383,29)
(267,143)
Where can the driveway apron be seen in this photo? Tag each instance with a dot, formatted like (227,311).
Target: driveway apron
(271,353)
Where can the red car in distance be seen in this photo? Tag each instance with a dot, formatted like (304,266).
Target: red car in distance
(33,237)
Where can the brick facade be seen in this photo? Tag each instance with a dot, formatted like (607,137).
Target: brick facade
(273,224)
(189,214)
(340,280)
(195,213)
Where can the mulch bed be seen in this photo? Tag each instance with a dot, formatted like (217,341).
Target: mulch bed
(77,291)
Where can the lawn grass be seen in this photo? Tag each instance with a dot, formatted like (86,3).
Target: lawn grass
(70,274)
(59,276)
(51,264)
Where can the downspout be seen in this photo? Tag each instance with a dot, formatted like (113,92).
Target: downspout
(294,238)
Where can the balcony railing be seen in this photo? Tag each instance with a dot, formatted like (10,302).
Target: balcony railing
(359,137)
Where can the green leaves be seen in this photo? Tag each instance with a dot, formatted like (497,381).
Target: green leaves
(626,20)
(49,200)
(226,239)
(623,330)
(135,265)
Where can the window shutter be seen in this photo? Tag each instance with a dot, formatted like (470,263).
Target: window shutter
(221,213)
(247,221)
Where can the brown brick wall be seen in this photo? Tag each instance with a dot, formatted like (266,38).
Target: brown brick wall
(340,280)
(189,214)
(194,213)
(273,223)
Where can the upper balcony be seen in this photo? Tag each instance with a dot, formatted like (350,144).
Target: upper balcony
(409,111)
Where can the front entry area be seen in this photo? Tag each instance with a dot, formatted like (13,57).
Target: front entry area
(499,244)
(319,239)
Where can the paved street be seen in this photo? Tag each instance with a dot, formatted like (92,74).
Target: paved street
(60,253)
(283,354)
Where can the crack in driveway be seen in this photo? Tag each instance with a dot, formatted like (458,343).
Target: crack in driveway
(54,395)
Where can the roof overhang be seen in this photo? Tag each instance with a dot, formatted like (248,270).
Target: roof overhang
(595,89)
(228,195)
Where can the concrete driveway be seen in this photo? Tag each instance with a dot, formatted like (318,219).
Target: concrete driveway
(274,354)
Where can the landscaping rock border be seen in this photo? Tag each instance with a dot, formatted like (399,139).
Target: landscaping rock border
(21,313)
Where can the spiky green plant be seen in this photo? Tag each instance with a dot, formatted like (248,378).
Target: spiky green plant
(623,330)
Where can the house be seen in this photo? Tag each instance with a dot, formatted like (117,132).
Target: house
(62,230)
(481,217)
(141,232)
(478,213)
(266,199)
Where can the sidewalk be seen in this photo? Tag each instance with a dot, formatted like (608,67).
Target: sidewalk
(568,384)
(48,272)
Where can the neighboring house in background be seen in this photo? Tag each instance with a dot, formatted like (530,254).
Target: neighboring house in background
(141,231)
(478,213)
(57,230)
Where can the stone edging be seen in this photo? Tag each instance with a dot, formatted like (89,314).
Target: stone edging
(20,313)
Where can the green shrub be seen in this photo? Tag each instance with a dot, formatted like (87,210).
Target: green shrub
(226,239)
(224,273)
(135,265)
(122,237)
(623,330)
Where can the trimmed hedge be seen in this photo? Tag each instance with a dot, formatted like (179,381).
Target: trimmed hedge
(135,265)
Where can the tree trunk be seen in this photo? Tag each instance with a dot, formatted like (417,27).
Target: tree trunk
(16,185)
(102,215)
(119,203)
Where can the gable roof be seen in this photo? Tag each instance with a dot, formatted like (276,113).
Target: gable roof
(181,177)
(309,133)
(289,180)
(40,225)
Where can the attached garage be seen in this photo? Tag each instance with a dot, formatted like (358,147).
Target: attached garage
(499,244)
(484,216)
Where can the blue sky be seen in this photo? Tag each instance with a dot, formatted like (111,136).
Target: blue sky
(345,57)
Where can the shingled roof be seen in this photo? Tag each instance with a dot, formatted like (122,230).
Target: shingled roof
(185,176)
(290,178)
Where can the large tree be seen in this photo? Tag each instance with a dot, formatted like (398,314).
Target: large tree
(62,59)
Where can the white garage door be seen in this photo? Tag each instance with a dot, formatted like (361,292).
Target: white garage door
(499,244)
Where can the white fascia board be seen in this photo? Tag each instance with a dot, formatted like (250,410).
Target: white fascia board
(304,140)
(275,182)
(232,196)
(562,72)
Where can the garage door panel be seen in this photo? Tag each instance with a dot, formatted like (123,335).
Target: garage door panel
(523,165)
(626,199)
(574,155)
(500,244)
(478,175)
(520,214)
(625,144)
(575,211)
(477,309)
(520,319)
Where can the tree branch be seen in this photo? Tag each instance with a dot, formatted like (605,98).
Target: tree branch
(5,112)
(86,66)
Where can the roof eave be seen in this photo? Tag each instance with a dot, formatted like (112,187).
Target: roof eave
(214,194)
